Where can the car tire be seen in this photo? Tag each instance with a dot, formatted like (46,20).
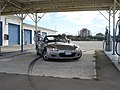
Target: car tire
(80,55)
(45,55)
(76,58)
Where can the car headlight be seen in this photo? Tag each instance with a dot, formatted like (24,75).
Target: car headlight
(77,48)
(52,48)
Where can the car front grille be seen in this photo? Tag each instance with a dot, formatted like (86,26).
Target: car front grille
(65,47)
(63,55)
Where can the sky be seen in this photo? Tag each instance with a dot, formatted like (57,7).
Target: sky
(72,22)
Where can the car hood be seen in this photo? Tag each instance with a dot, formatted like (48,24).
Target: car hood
(64,46)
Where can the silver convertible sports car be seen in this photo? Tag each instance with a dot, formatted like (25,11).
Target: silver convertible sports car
(59,47)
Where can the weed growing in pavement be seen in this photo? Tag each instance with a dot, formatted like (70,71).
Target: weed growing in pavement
(76,78)
(96,78)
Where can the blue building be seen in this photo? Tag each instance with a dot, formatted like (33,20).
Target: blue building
(10,32)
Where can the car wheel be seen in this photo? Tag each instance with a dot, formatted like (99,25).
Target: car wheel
(45,56)
(80,56)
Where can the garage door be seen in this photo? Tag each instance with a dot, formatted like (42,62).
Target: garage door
(0,33)
(44,34)
(14,34)
(27,36)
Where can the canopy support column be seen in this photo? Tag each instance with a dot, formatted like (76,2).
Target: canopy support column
(22,32)
(109,20)
(114,8)
(0,21)
(36,21)
(110,43)
(21,17)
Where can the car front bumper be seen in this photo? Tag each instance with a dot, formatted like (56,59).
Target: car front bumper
(64,54)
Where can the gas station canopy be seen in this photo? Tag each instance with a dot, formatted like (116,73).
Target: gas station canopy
(41,6)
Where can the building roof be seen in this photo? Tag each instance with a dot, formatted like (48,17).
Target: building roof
(42,6)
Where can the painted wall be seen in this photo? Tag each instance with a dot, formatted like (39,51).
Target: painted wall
(14,20)
(5,20)
(31,27)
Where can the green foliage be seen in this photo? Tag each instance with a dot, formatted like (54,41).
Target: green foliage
(97,37)
(88,38)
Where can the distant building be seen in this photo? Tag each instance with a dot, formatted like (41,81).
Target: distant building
(84,32)
(100,35)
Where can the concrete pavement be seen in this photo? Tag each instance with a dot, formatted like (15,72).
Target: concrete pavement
(108,79)
(84,68)
(114,58)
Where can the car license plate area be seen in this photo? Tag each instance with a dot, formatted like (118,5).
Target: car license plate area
(68,53)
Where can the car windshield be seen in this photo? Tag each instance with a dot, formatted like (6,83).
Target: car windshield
(56,38)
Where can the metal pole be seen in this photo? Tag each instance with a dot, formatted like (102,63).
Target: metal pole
(0,22)
(114,8)
(21,32)
(36,31)
(109,20)
(36,21)
(103,15)
(109,48)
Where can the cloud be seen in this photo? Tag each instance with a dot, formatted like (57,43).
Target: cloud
(31,18)
(79,18)
(92,20)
